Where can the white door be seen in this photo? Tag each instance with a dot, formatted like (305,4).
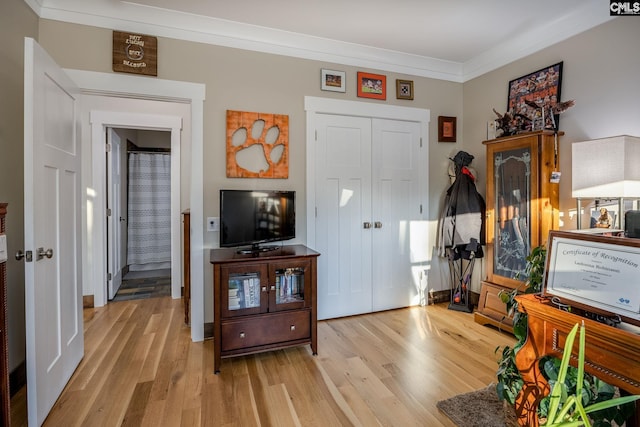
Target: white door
(396,211)
(343,222)
(115,219)
(52,198)
(367,203)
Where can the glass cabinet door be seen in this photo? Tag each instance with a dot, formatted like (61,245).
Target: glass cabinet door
(288,290)
(512,207)
(242,290)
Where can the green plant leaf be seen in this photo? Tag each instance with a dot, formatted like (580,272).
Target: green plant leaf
(556,391)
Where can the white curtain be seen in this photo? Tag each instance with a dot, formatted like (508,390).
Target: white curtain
(149,211)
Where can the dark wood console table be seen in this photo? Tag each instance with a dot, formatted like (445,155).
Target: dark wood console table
(263,301)
(611,354)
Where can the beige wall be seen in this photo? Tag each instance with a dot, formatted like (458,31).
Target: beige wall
(17,21)
(251,81)
(600,72)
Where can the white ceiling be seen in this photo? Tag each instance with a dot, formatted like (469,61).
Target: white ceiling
(448,39)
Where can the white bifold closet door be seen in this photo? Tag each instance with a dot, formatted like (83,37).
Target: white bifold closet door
(367,198)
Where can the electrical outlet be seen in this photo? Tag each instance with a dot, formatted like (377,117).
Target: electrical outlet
(213,223)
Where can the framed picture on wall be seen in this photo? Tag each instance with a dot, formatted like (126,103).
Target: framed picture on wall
(334,81)
(532,98)
(404,89)
(446,129)
(372,85)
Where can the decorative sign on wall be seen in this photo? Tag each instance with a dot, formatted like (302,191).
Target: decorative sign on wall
(135,53)
(257,145)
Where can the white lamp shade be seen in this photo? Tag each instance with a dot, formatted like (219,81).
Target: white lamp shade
(606,168)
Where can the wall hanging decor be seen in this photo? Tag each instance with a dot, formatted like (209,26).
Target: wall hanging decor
(447,129)
(404,89)
(372,85)
(532,98)
(135,53)
(257,145)
(334,81)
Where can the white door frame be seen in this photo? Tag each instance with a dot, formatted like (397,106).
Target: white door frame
(100,121)
(315,105)
(128,86)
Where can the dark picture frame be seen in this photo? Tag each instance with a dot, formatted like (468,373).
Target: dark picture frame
(372,85)
(404,89)
(447,129)
(532,97)
(333,81)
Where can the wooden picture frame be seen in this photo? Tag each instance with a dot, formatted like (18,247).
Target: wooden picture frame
(404,89)
(333,81)
(446,129)
(540,88)
(372,85)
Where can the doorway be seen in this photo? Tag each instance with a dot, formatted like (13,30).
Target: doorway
(166,95)
(138,200)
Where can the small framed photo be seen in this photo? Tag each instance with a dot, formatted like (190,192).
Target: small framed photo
(404,89)
(372,85)
(446,129)
(334,81)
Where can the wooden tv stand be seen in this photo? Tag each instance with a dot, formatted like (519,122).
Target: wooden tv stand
(263,301)
(611,354)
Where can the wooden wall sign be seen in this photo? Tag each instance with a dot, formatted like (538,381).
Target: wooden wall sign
(257,145)
(135,53)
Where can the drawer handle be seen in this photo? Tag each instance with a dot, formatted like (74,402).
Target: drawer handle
(242,335)
(293,327)
(273,288)
(264,289)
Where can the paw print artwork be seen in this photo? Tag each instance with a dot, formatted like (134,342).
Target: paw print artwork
(257,145)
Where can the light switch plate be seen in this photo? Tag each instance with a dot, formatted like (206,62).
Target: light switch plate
(3,247)
(213,223)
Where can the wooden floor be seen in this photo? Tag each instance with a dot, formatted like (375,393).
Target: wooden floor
(141,369)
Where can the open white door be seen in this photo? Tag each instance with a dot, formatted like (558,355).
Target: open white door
(114,213)
(52,223)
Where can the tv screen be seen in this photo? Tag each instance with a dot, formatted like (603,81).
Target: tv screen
(252,217)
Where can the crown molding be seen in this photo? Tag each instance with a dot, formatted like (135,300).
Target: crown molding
(129,16)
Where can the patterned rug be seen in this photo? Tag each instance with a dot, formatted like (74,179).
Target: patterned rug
(148,287)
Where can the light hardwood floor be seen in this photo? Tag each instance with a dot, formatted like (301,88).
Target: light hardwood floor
(141,369)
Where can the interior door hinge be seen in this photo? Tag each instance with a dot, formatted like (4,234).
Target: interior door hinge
(316,132)
(316,212)
(108,148)
(108,276)
(108,212)
(421,209)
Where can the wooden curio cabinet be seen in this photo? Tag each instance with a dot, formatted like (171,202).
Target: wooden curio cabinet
(522,207)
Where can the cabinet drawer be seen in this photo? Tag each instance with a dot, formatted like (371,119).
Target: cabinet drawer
(264,330)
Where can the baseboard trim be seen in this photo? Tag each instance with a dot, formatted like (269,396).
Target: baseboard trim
(208,331)
(87,301)
(18,378)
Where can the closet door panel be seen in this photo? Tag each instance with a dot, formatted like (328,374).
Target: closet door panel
(343,193)
(396,209)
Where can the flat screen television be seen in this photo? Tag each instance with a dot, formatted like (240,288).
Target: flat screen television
(255,217)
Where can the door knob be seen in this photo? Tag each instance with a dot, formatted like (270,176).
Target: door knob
(122,219)
(367,225)
(28,255)
(378,224)
(42,253)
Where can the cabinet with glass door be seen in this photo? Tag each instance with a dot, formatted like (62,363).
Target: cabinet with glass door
(263,301)
(522,198)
